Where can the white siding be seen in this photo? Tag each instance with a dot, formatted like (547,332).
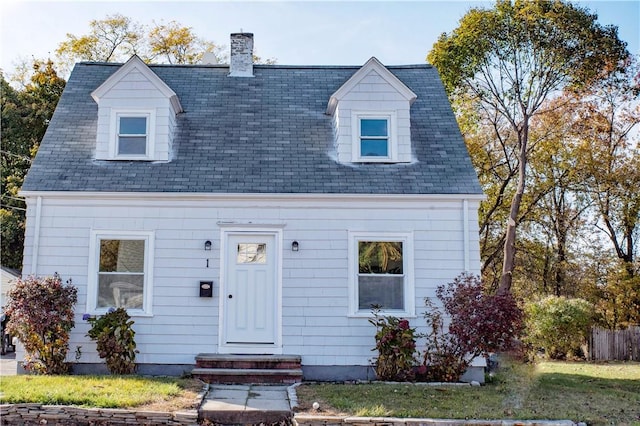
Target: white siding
(315,300)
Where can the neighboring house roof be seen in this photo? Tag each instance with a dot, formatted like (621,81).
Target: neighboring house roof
(266,134)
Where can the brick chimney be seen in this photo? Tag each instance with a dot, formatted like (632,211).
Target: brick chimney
(241,55)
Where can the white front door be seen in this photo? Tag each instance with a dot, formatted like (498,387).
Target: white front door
(250,290)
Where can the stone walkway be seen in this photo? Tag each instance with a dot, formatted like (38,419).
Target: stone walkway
(246,404)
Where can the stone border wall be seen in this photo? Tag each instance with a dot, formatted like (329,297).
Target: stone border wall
(38,414)
(319,420)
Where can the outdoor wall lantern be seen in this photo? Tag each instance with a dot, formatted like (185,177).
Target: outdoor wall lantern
(295,246)
(207,245)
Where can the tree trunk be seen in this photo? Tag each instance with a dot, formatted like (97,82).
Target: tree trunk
(561,231)
(560,279)
(508,262)
(509,258)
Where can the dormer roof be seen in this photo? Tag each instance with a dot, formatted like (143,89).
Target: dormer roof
(372,65)
(137,64)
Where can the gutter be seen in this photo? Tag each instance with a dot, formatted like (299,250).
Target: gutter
(36,237)
(465,230)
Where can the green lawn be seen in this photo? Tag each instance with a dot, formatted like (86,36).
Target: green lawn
(593,393)
(98,391)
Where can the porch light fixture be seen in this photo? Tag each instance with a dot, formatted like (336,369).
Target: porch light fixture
(207,245)
(295,246)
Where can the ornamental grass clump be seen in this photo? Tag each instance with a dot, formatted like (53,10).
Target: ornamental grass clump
(396,346)
(115,340)
(41,317)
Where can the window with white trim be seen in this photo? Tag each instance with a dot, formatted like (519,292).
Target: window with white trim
(132,135)
(374,137)
(121,272)
(381,266)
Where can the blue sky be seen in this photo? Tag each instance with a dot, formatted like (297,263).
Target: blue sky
(293,32)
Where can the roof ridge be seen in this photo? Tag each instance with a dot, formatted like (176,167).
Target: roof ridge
(275,66)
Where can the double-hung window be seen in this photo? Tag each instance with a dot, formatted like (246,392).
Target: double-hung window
(133,131)
(374,137)
(132,134)
(121,269)
(381,266)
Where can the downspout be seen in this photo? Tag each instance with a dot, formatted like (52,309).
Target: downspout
(36,237)
(465,230)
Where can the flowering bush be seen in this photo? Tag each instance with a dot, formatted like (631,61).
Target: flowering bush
(396,346)
(479,323)
(41,317)
(114,337)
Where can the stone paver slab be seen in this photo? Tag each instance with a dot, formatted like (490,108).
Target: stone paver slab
(231,387)
(228,405)
(268,404)
(228,394)
(269,388)
(268,394)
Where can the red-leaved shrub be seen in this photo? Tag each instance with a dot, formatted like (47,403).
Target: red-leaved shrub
(478,323)
(41,317)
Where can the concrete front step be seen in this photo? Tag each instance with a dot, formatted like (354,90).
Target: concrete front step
(247,375)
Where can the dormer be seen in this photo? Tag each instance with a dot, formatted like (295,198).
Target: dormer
(136,115)
(371,117)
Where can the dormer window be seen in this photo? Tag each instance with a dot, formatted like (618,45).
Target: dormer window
(372,118)
(374,137)
(137,115)
(132,135)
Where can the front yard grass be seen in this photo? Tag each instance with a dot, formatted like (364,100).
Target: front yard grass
(604,393)
(158,394)
(593,393)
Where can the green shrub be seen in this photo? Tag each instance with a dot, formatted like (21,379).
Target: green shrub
(558,325)
(114,337)
(41,317)
(396,346)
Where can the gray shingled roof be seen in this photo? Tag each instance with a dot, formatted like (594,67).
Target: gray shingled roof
(267,134)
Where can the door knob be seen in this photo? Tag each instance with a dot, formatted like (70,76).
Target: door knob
(230,296)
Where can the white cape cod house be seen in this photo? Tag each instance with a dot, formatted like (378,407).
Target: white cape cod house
(252,209)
